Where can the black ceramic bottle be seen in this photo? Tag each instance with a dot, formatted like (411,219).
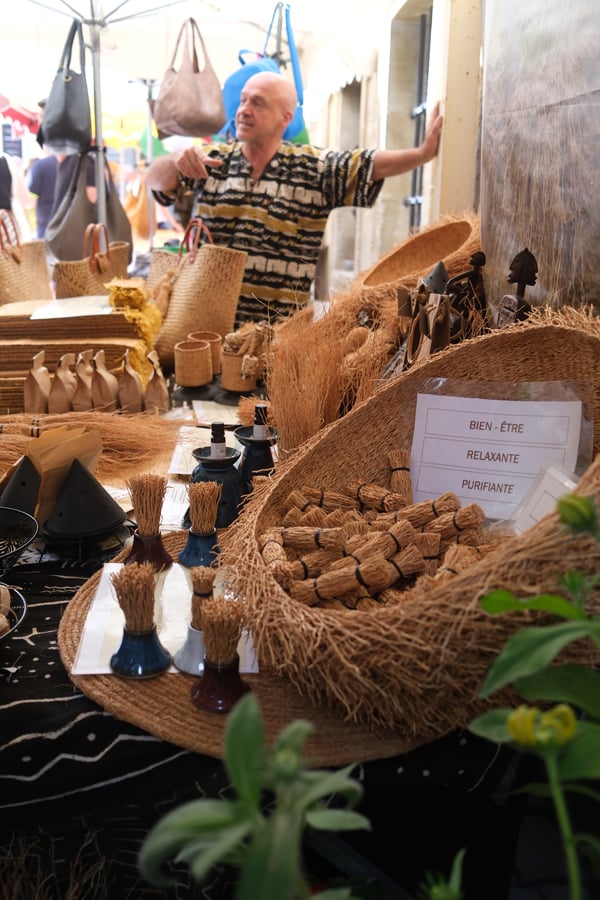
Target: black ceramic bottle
(217,463)
(257,441)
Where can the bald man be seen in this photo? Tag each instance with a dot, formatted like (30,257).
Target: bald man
(272,198)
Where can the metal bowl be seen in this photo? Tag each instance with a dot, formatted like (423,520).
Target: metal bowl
(16,613)
(17,531)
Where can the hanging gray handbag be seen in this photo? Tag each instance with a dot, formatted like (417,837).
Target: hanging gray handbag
(76,212)
(189,99)
(67,124)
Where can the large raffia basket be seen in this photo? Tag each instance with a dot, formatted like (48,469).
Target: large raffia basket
(415,667)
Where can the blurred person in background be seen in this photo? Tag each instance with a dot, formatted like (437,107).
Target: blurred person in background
(14,195)
(41,182)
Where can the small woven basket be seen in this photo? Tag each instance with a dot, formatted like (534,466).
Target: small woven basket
(216,346)
(232,374)
(193,363)
(417,665)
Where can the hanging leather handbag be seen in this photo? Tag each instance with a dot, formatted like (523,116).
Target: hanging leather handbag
(67,125)
(189,101)
(76,212)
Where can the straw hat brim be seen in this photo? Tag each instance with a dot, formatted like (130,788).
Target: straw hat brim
(162,706)
(452,240)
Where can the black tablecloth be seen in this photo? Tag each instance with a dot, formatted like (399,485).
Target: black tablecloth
(76,783)
(79,789)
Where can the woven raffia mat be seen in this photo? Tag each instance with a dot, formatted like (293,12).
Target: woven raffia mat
(163,707)
(417,666)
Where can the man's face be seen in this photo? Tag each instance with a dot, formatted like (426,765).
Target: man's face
(260,114)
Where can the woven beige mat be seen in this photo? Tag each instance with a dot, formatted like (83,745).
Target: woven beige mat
(163,707)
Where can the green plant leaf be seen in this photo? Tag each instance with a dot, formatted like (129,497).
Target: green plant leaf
(577,685)
(340,893)
(536,789)
(580,759)
(454,882)
(324,784)
(532,649)
(326,819)
(492,726)
(272,860)
(245,750)
(183,824)
(293,736)
(502,601)
(584,790)
(202,858)
(589,840)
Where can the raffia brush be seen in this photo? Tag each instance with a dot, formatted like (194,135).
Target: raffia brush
(203,579)
(147,493)
(204,497)
(134,587)
(222,623)
(375,574)
(400,477)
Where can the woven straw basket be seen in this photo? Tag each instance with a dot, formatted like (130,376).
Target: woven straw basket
(26,277)
(204,297)
(215,342)
(232,377)
(77,278)
(452,240)
(193,363)
(417,666)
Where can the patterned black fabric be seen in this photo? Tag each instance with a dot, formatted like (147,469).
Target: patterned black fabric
(80,789)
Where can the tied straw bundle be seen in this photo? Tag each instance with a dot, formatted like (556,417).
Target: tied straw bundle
(147,493)
(204,497)
(203,579)
(400,477)
(134,587)
(222,623)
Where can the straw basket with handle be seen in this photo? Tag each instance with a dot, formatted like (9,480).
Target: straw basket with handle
(101,262)
(416,666)
(24,273)
(204,289)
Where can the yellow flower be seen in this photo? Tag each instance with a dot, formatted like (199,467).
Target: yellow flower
(557,726)
(532,728)
(521,725)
